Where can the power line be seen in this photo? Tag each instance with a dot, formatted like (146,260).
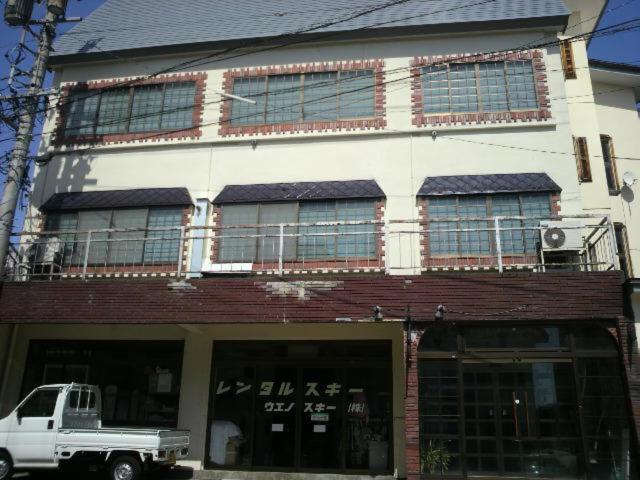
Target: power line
(320,99)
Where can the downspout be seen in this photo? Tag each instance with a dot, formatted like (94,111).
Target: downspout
(8,361)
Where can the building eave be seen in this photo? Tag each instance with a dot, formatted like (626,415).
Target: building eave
(555,22)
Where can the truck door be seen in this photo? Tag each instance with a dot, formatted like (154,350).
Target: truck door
(33,431)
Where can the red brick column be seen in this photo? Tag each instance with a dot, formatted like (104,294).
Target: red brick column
(631,359)
(411,407)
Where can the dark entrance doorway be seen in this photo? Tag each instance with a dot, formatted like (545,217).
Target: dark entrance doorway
(523,402)
(521,419)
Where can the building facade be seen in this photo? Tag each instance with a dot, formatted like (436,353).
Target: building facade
(362,240)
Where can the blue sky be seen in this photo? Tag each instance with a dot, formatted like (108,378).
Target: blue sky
(622,47)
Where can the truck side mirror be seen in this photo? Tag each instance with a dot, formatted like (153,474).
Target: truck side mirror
(19,415)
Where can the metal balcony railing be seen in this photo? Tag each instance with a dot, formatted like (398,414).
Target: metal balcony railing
(580,243)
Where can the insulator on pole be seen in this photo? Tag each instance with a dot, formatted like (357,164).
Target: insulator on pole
(57,7)
(18,12)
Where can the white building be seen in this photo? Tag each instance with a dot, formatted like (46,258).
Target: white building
(266,273)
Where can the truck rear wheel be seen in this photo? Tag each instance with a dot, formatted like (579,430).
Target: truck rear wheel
(6,466)
(124,467)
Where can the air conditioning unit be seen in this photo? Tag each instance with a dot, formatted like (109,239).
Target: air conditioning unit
(46,250)
(561,236)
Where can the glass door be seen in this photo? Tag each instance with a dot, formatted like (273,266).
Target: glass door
(521,419)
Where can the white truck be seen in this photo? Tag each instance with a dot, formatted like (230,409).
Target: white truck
(59,426)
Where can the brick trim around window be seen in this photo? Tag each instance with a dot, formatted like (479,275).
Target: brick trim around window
(542,113)
(192,133)
(486,262)
(377,123)
(131,270)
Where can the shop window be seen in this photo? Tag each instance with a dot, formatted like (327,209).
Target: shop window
(549,402)
(483,87)
(309,408)
(144,108)
(244,241)
(136,246)
(139,381)
(305,97)
(451,235)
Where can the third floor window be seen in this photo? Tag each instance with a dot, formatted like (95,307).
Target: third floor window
(307,97)
(143,108)
(479,87)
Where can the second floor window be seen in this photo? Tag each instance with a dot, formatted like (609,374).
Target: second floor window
(308,97)
(246,239)
(141,239)
(144,108)
(451,234)
(479,87)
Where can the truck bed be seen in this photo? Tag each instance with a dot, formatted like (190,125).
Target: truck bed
(122,438)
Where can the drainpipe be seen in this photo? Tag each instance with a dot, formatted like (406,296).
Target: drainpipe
(8,361)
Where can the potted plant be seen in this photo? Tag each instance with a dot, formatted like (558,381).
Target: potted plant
(435,458)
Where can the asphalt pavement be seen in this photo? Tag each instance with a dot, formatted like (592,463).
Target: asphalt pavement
(174,474)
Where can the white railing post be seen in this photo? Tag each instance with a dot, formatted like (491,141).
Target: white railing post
(281,250)
(496,221)
(385,244)
(86,255)
(181,251)
(613,245)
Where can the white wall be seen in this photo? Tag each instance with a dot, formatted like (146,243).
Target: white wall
(618,118)
(398,158)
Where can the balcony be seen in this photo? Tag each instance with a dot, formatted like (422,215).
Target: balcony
(408,247)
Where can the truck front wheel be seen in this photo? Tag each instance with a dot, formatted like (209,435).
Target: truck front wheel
(124,468)
(6,466)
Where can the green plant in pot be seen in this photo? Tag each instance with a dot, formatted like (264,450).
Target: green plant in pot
(434,457)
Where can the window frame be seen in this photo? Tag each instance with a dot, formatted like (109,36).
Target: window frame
(611,168)
(297,245)
(301,85)
(67,134)
(583,164)
(568,60)
(478,93)
(488,201)
(78,236)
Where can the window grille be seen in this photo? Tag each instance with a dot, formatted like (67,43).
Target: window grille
(144,108)
(479,87)
(318,96)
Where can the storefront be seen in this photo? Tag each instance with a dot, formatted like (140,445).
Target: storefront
(322,406)
(523,402)
(139,380)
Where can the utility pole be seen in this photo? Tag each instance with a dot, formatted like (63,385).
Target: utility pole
(26,122)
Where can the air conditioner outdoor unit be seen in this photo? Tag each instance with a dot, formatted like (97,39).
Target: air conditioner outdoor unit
(561,236)
(46,250)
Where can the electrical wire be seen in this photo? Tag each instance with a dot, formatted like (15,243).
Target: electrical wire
(274,110)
